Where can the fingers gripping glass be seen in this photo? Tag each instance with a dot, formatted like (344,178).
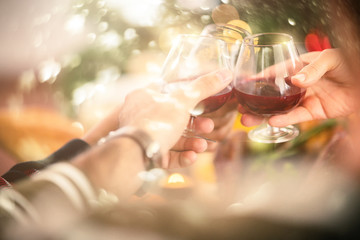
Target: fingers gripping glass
(190,57)
(262,83)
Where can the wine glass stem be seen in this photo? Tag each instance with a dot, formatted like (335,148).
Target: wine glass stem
(271,130)
(191,128)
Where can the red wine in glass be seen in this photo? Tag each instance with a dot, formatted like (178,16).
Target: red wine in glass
(262,82)
(263,97)
(207,105)
(190,57)
(212,103)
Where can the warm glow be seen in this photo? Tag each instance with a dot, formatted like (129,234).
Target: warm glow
(177,181)
(176,178)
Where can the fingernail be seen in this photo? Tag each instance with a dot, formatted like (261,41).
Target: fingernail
(224,75)
(300,77)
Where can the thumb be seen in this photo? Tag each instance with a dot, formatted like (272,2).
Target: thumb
(210,84)
(315,70)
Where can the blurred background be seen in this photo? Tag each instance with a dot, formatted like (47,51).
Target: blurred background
(85,55)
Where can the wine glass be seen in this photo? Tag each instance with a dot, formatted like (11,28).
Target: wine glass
(190,57)
(232,35)
(262,83)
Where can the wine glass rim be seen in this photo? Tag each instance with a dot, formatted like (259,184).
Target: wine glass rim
(233,27)
(187,35)
(249,39)
(194,36)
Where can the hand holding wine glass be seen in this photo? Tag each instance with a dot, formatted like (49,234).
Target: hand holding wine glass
(325,72)
(193,56)
(225,116)
(263,83)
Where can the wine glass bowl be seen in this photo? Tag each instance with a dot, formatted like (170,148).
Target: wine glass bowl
(262,96)
(232,35)
(212,103)
(262,83)
(190,57)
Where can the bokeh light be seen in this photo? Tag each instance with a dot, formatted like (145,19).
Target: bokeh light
(138,13)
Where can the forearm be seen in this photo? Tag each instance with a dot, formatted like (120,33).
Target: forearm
(101,129)
(54,195)
(114,166)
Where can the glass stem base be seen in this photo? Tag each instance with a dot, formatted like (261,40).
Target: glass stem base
(191,134)
(268,134)
(190,131)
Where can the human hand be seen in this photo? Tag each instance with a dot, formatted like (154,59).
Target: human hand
(223,119)
(330,91)
(165,116)
(183,154)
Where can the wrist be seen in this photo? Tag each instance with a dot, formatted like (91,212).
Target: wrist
(150,148)
(113,166)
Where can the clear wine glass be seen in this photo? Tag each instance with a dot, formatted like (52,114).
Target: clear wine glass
(262,82)
(190,57)
(232,35)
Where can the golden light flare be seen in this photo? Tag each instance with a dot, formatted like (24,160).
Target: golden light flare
(224,13)
(233,33)
(177,180)
(241,24)
(168,36)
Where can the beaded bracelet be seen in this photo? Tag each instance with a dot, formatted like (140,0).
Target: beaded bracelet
(93,197)
(70,180)
(17,206)
(67,187)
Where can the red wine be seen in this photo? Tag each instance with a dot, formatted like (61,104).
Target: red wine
(212,103)
(263,96)
(207,105)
